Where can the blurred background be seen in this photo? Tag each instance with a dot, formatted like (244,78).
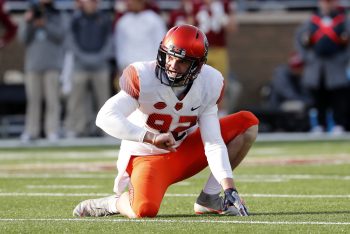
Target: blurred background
(266,50)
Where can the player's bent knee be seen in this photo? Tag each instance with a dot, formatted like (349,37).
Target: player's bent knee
(249,118)
(250,123)
(250,134)
(147,209)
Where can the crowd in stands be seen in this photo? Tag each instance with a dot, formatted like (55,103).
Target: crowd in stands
(89,39)
(323,43)
(42,33)
(314,86)
(73,60)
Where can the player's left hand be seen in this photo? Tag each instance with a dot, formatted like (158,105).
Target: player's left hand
(232,199)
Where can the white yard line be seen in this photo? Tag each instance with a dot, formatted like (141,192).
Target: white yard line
(173,195)
(54,194)
(262,180)
(113,154)
(54,186)
(297,195)
(176,221)
(284,153)
(83,166)
(183,183)
(267,151)
(52,175)
(241,177)
(271,195)
(292,177)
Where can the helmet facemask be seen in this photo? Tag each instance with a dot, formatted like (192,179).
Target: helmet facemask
(182,45)
(180,79)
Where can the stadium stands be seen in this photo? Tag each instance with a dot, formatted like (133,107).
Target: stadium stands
(249,59)
(166,5)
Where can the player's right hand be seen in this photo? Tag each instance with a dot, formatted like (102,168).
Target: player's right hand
(164,141)
(232,199)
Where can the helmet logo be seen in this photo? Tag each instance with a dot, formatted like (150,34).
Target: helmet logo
(177,52)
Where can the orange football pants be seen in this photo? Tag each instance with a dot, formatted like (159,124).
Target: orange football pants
(152,175)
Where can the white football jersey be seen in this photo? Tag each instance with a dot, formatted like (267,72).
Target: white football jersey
(145,104)
(160,110)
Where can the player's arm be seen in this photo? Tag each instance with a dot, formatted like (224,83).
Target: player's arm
(218,160)
(215,148)
(112,118)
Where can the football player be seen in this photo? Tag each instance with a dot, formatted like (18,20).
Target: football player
(166,116)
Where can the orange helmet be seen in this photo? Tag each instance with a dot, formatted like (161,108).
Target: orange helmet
(186,42)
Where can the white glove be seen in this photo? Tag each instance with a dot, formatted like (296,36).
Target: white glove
(232,199)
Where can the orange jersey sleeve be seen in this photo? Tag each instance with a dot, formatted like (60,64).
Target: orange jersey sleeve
(129,82)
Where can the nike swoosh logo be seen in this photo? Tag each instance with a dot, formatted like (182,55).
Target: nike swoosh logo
(194,108)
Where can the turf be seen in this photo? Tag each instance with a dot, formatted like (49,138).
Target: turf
(291,187)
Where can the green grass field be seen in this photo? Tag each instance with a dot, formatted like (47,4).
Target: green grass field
(289,188)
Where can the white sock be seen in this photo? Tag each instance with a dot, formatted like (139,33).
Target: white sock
(212,186)
(112,204)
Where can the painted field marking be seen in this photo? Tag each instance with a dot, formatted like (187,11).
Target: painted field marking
(296,195)
(53,186)
(270,195)
(173,195)
(60,155)
(241,177)
(183,183)
(81,166)
(55,194)
(58,175)
(293,177)
(177,221)
(262,180)
(267,151)
(275,153)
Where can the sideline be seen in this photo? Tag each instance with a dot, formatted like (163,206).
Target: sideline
(110,141)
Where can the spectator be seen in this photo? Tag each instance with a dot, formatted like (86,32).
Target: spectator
(287,91)
(184,14)
(90,41)
(348,98)
(289,100)
(323,42)
(9,26)
(137,33)
(42,34)
(216,19)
